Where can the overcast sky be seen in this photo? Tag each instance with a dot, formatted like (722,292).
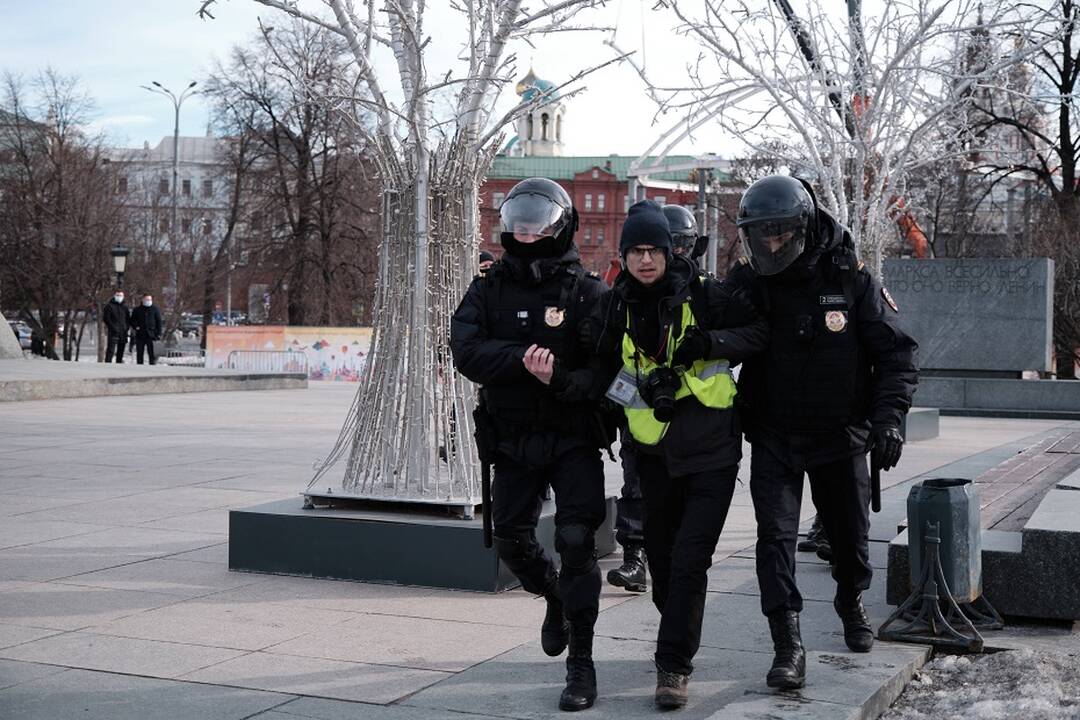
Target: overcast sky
(114,46)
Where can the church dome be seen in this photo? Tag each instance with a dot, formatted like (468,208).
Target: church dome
(530,86)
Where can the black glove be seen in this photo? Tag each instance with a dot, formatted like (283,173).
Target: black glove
(695,345)
(886,444)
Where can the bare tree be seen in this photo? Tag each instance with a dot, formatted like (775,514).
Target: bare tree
(59,214)
(407,433)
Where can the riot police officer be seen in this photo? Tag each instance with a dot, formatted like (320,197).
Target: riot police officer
(835,382)
(685,239)
(667,336)
(516,333)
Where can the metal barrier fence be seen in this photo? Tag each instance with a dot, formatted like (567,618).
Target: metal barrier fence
(276,361)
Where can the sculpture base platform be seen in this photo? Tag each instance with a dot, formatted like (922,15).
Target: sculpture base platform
(372,542)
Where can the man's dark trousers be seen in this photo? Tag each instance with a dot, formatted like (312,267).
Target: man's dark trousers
(683,519)
(114,345)
(630,509)
(841,492)
(575,473)
(144,343)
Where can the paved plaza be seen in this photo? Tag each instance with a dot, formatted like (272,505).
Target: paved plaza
(116,601)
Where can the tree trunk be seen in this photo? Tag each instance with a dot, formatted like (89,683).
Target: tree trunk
(409,432)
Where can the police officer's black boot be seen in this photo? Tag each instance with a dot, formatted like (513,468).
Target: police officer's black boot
(580,690)
(817,541)
(631,574)
(858,634)
(555,632)
(788,670)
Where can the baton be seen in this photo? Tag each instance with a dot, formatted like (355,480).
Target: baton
(875,487)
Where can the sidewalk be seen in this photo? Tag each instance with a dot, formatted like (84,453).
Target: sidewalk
(116,601)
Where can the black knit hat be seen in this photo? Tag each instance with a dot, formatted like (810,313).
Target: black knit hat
(645,225)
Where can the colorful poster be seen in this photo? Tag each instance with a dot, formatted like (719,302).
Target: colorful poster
(337,354)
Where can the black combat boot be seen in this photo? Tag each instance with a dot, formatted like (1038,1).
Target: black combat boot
(580,690)
(671,689)
(788,670)
(555,632)
(857,631)
(817,541)
(631,574)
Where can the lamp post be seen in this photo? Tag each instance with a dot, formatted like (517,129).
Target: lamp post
(177,101)
(119,261)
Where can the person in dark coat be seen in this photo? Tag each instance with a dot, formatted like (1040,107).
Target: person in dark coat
(835,382)
(149,325)
(668,337)
(516,333)
(116,318)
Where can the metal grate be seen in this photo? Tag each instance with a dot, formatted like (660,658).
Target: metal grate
(270,361)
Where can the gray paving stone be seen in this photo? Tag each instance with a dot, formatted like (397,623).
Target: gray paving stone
(13,672)
(65,607)
(35,563)
(406,642)
(141,542)
(217,554)
(317,677)
(86,695)
(15,531)
(11,635)
(165,575)
(320,709)
(121,655)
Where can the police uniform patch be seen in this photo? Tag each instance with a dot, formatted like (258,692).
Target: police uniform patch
(832,300)
(836,320)
(554,317)
(888,299)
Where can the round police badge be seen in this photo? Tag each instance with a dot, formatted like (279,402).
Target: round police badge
(888,299)
(836,320)
(554,317)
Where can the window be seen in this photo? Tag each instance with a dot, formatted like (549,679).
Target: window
(495,239)
(595,173)
(185,188)
(544,126)
(600,235)
(600,202)
(121,185)
(497,200)
(185,225)
(626,203)
(588,202)
(163,226)
(163,186)
(207,226)
(662,199)
(256,221)
(529,125)
(588,236)
(207,188)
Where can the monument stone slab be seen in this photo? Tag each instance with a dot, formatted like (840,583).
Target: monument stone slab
(976,314)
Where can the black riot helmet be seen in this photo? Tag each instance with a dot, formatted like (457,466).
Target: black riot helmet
(541,209)
(776,215)
(684,230)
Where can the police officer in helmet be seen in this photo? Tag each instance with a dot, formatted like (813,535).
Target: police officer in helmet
(685,239)
(516,333)
(835,382)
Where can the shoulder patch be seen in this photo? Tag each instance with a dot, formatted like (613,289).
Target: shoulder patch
(889,298)
(593,275)
(861,264)
(744,260)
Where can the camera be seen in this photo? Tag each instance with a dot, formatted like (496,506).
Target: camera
(658,391)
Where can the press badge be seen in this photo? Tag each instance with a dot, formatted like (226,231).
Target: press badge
(623,388)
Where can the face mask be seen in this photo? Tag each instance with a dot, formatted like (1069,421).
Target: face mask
(147,303)
(118,298)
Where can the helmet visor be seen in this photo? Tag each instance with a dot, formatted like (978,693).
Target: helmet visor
(532,215)
(773,244)
(683,243)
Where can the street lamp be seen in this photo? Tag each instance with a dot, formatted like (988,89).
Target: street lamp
(119,262)
(177,101)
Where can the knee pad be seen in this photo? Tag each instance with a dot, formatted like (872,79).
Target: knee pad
(576,546)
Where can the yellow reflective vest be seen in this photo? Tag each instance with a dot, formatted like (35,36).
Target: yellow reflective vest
(709,381)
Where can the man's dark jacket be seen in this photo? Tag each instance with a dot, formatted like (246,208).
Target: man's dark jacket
(147,322)
(838,360)
(116,317)
(699,439)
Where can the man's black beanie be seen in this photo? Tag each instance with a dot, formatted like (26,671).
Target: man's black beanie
(645,225)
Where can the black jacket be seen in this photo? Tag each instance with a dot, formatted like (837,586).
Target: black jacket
(116,317)
(839,360)
(147,322)
(513,306)
(699,438)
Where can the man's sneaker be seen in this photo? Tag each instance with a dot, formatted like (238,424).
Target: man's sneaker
(631,574)
(671,689)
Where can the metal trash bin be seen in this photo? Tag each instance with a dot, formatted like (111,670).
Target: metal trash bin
(953,503)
